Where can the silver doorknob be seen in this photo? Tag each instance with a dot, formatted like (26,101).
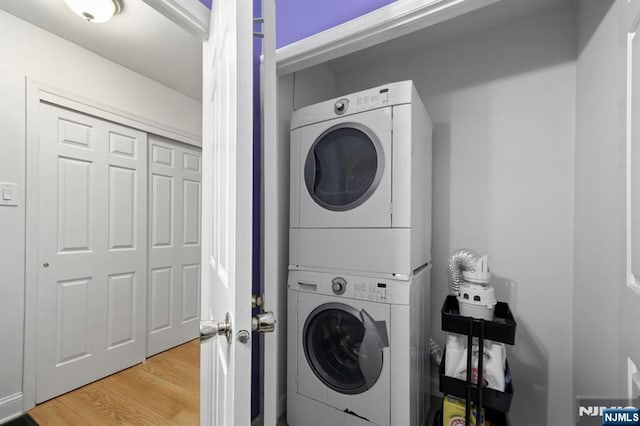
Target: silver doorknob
(264,322)
(212,328)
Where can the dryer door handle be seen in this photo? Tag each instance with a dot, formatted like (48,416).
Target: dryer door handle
(374,341)
(310,172)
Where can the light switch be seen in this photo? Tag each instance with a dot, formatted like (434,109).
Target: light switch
(8,194)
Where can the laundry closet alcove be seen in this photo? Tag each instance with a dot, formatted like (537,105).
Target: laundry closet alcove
(499,83)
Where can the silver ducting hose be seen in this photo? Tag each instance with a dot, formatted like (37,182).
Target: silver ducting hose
(460,261)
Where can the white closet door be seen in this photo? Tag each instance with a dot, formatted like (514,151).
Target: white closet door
(92,249)
(174,244)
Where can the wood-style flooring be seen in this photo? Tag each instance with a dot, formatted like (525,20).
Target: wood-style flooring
(165,390)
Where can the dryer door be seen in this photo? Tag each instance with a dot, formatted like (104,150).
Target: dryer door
(344,347)
(343,167)
(347,172)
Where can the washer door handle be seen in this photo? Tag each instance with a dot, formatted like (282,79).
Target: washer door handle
(374,341)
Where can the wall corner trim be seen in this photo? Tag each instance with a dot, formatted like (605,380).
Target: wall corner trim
(386,23)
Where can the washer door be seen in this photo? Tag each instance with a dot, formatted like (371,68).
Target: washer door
(343,167)
(344,347)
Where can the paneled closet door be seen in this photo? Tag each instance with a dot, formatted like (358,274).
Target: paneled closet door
(174,244)
(92,249)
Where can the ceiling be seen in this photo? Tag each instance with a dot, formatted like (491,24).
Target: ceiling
(143,40)
(460,27)
(139,38)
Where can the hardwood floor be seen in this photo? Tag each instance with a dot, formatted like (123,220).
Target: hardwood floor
(165,390)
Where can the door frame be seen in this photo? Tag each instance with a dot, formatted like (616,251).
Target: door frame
(37,92)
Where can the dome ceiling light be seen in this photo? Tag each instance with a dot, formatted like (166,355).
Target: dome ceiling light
(95,10)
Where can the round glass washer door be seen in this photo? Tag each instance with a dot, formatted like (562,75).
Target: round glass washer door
(343,347)
(344,166)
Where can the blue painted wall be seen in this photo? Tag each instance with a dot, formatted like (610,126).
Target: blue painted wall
(298,19)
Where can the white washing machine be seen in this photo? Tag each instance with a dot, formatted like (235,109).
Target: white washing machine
(361,182)
(357,349)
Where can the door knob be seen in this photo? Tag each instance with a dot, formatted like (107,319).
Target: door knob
(212,328)
(264,322)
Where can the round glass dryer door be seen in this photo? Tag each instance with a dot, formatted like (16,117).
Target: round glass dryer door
(343,167)
(344,347)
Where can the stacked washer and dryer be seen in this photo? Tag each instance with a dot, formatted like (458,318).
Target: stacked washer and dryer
(360,252)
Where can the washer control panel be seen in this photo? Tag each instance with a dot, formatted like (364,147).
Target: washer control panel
(338,285)
(374,291)
(358,287)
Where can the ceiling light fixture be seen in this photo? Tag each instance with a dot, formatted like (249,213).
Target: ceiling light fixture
(95,10)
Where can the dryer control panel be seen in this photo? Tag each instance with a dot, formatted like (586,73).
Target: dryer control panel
(390,94)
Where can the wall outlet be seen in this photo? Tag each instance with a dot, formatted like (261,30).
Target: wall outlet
(9,194)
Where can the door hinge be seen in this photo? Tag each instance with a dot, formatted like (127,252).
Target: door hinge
(257,301)
(260,21)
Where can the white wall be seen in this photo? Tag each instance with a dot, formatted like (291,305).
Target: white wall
(26,51)
(503,106)
(600,291)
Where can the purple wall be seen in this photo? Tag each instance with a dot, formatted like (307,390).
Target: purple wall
(298,19)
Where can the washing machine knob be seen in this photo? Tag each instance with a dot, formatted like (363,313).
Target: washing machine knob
(338,285)
(340,107)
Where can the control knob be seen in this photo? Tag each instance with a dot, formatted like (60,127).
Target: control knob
(338,285)
(340,107)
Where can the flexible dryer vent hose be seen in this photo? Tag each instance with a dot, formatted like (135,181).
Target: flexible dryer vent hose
(460,261)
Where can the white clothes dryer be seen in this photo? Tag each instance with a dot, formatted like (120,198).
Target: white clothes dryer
(357,349)
(361,182)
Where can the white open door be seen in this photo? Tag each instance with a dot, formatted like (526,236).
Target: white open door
(227,104)
(274,275)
